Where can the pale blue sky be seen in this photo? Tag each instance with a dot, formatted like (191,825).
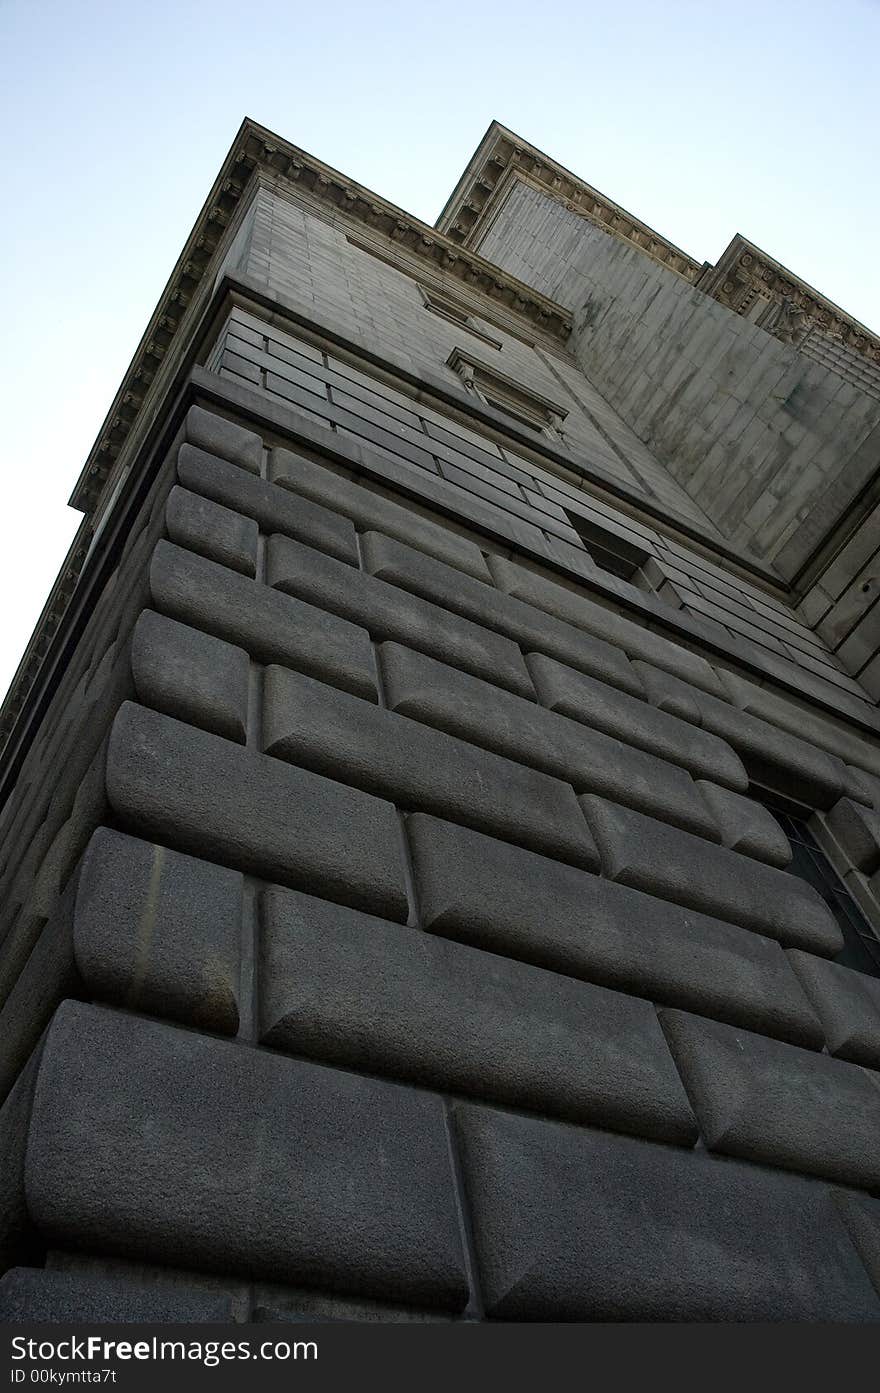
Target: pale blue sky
(703,119)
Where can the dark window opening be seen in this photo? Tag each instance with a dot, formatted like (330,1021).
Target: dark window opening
(610,551)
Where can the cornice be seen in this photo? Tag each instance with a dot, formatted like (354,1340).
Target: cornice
(257,151)
(502,157)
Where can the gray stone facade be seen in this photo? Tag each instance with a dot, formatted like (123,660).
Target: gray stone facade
(412,907)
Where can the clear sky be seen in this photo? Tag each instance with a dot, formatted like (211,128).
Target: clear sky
(703,119)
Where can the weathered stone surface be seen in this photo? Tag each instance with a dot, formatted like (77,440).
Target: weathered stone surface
(589,760)
(746,826)
(159,932)
(847,1004)
(668,693)
(857,829)
(772,1102)
(211,798)
(212,530)
(420,768)
(221,437)
(390,613)
(35,1295)
(46,977)
(636,722)
(370,510)
(772,756)
(422,575)
(194,676)
(273,628)
(159,1143)
(18,1242)
(353,990)
(862,1219)
(274,509)
(644,853)
(577,608)
(579,1225)
(512,902)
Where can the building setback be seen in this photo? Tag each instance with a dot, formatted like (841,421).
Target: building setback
(441,798)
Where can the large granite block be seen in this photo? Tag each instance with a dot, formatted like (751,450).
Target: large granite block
(221,437)
(349,989)
(847,1004)
(775,1103)
(420,768)
(746,826)
(390,613)
(635,722)
(34,1295)
(857,830)
(371,510)
(510,901)
(159,932)
(273,509)
(590,761)
(212,530)
(273,628)
(422,575)
(198,678)
(583,1226)
(174,1147)
(674,865)
(213,799)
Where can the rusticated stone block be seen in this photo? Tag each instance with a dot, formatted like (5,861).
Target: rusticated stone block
(453,701)
(635,722)
(646,854)
(273,509)
(417,767)
(515,903)
(575,607)
(847,1004)
(194,676)
(34,1295)
(746,826)
(579,1225)
(857,829)
(389,613)
(668,693)
(273,628)
(483,604)
(159,932)
(212,798)
(371,510)
(772,1102)
(221,437)
(212,530)
(158,1143)
(352,990)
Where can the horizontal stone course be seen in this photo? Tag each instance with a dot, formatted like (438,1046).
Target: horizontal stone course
(350,989)
(272,508)
(510,901)
(648,855)
(636,722)
(174,1147)
(775,1103)
(389,613)
(211,798)
(198,678)
(420,768)
(846,1002)
(214,433)
(212,530)
(370,510)
(31,1295)
(453,701)
(746,826)
(577,1225)
(273,628)
(406,569)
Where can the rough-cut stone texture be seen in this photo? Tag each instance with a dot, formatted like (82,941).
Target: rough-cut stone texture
(746,826)
(857,829)
(209,797)
(674,865)
(169,1145)
(589,760)
(636,722)
(67,1298)
(188,674)
(510,901)
(846,1002)
(212,530)
(208,431)
(335,734)
(579,1225)
(778,1104)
